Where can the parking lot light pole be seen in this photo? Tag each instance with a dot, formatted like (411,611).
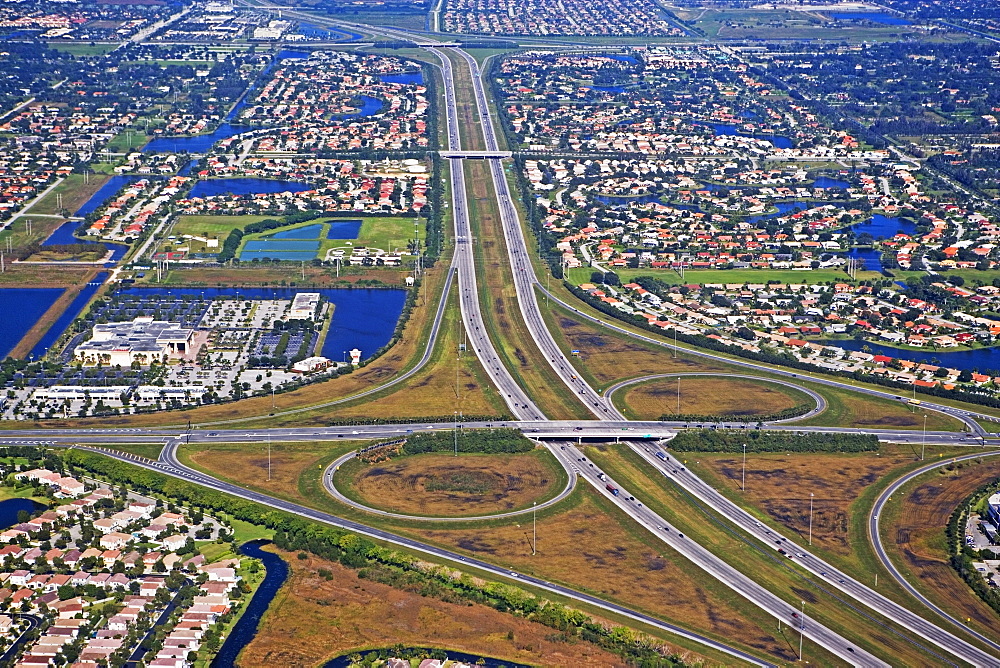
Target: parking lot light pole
(802,628)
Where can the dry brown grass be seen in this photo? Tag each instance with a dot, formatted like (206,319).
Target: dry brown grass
(916,539)
(709,395)
(246,463)
(606,357)
(45,276)
(312,620)
(441,485)
(780,484)
(270,275)
(592,547)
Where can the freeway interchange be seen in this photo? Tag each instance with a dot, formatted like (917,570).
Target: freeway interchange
(559,437)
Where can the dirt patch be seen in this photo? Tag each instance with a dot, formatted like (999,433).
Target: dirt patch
(445,486)
(918,537)
(314,619)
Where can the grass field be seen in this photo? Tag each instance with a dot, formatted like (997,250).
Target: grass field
(212,226)
(777,574)
(45,276)
(912,526)
(82,49)
(127,141)
(709,395)
(784,24)
(290,274)
(76,189)
(847,409)
(313,619)
(247,463)
(737,276)
(442,485)
(592,546)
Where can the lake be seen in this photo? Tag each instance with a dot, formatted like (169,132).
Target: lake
(276,572)
(827,182)
(23,307)
(215,187)
(724,129)
(627,199)
(11,507)
(404,78)
(64,235)
(881,226)
(67,317)
(876,17)
(362,318)
(980,358)
(195,144)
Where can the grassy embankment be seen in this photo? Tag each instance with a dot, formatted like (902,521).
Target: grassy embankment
(584,542)
(845,487)
(777,574)
(912,527)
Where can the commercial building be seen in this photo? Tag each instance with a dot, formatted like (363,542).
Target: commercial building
(142,340)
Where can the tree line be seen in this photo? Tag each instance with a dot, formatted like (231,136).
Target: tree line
(489,441)
(733,440)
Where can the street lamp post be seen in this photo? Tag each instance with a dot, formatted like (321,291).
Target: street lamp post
(811,495)
(923,441)
(534,529)
(456,433)
(744,484)
(802,628)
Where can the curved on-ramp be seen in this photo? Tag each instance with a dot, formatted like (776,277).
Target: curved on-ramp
(332,490)
(815,396)
(875,538)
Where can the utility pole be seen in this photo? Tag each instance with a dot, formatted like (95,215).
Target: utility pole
(678,395)
(811,518)
(456,433)
(744,484)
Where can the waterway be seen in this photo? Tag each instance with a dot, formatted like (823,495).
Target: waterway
(215,187)
(875,17)
(22,308)
(363,318)
(100,198)
(11,507)
(246,628)
(471,659)
(67,317)
(983,359)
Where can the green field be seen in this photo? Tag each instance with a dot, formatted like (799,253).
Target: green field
(212,226)
(82,49)
(740,276)
(127,141)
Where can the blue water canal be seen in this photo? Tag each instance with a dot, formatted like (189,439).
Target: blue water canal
(981,358)
(22,308)
(362,318)
(246,628)
(67,317)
